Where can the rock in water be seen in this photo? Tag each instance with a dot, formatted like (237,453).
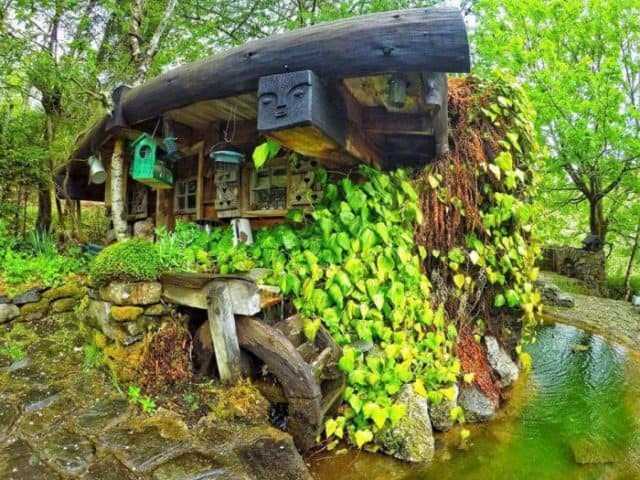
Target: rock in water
(476,405)
(411,439)
(441,414)
(8,312)
(501,362)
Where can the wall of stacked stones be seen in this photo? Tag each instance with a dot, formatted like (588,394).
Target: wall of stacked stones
(589,267)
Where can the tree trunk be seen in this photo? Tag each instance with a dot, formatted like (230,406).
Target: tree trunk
(597,222)
(117,202)
(632,259)
(43,222)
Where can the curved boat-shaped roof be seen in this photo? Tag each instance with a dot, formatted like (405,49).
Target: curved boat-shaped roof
(431,40)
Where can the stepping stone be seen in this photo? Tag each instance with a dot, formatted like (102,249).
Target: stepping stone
(9,414)
(68,453)
(39,397)
(18,462)
(109,468)
(192,466)
(103,415)
(34,425)
(144,449)
(269,454)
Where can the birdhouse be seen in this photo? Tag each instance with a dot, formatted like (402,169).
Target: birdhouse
(147,167)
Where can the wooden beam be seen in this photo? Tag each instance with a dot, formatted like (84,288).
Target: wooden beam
(222,325)
(432,39)
(379,120)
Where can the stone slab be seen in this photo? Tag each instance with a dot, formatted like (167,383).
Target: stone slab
(66,452)
(144,449)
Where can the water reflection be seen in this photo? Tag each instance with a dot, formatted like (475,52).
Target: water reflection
(575,416)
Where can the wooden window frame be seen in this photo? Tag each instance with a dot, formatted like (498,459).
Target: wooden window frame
(177,195)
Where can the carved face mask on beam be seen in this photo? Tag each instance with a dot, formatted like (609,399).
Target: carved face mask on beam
(284,100)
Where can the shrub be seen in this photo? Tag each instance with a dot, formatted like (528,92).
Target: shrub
(615,286)
(132,260)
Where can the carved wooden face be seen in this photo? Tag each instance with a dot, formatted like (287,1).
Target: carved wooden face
(284,100)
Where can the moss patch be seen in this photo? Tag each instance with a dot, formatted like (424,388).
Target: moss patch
(36,307)
(126,314)
(64,305)
(64,291)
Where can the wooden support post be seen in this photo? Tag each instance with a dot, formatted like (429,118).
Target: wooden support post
(118,181)
(222,325)
(436,101)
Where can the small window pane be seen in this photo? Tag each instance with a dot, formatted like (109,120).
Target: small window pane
(191,202)
(191,186)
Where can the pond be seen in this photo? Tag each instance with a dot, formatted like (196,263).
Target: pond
(576,415)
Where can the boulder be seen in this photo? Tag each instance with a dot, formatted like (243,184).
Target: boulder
(132,293)
(441,414)
(552,295)
(476,405)
(125,314)
(501,362)
(4,299)
(64,305)
(64,291)
(411,439)
(30,296)
(8,312)
(269,454)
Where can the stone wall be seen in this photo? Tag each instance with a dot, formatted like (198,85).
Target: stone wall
(38,302)
(124,311)
(589,267)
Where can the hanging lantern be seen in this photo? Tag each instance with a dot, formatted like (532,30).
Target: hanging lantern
(397,91)
(97,174)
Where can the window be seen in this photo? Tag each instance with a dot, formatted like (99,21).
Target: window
(185,195)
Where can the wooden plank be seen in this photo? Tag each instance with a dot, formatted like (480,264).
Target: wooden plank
(222,326)
(378,120)
(245,294)
(432,39)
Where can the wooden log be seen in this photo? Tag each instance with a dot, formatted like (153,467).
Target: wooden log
(432,39)
(222,326)
(281,357)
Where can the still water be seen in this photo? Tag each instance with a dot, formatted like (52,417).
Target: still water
(576,415)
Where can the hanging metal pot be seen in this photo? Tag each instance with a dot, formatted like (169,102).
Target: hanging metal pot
(97,173)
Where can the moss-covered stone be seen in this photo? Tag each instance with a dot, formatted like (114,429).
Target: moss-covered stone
(64,305)
(65,291)
(156,310)
(126,314)
(132,293)
(36,307)
(124,361)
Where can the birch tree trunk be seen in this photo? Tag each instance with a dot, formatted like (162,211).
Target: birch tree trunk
(117,202)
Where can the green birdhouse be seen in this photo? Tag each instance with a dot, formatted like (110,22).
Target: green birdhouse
(147,166)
